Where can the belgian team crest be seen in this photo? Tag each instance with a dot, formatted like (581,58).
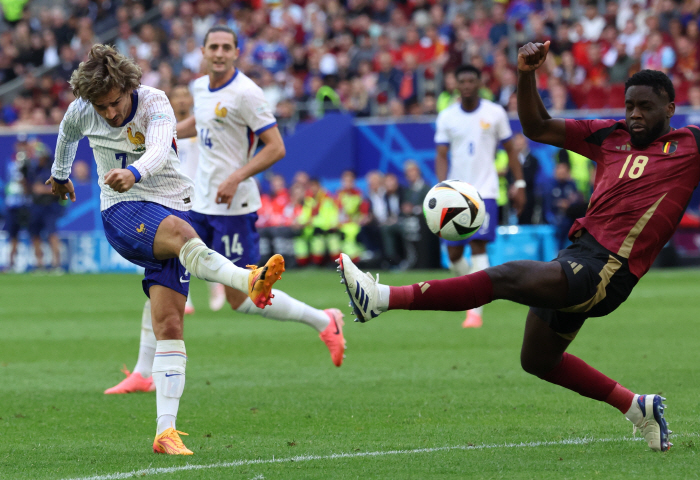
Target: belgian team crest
(220,113)
(670,147)
(137,139)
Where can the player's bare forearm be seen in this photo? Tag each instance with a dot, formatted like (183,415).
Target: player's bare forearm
(271,153)
(537,124)
(513,161)
(441,162)
(186,128)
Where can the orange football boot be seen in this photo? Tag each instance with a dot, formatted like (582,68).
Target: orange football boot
(261,280)
(332,336)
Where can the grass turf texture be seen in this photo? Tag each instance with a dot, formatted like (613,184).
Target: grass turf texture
(258,389)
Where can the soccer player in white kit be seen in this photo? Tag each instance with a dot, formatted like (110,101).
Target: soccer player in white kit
(144,201)
(230,115)
(470,130)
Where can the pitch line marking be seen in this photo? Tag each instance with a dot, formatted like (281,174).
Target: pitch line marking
(306,458)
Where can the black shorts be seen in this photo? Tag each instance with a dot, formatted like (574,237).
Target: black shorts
(599,281)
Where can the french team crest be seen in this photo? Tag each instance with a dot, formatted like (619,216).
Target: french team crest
(220,113)
(670,147)
(484,125)
(137,139)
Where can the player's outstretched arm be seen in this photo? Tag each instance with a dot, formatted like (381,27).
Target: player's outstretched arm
(186,128)
(537,124)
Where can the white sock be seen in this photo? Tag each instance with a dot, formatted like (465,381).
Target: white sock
(147,347)
(383,299)
(205,264)
(634,414)
(169,378)
(460,267)
(479,262)
(286,308)
(188,302)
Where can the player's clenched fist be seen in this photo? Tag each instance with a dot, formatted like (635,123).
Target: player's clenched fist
(120,179)
(532,55)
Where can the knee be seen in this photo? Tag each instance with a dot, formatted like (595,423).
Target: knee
(179,228)
(168,328)
(536,365)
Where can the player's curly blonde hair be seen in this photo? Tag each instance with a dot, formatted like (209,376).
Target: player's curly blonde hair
(104,70)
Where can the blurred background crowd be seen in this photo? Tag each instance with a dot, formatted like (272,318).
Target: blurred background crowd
(367,57)
(380,58)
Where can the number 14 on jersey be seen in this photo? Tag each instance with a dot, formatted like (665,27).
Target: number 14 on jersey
(205,138)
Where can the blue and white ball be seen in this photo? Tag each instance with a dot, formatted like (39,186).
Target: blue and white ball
(454,210)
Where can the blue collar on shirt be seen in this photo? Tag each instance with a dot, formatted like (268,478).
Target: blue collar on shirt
(134,106)
(478,104)
(235,73)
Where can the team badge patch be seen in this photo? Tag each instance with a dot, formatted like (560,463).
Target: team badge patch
(484,125)
(137,139)
(670,147)
(220,113)
(141,228)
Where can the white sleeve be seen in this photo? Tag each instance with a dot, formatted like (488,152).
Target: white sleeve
(503,130)
(69,134)
(256,112)
(160,133)
(442,136)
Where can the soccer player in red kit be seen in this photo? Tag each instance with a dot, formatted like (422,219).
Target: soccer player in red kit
(646,173)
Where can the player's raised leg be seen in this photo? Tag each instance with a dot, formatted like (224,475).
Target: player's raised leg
(175,237)
(140,380)
(168,309)
(329,322)
(525,282)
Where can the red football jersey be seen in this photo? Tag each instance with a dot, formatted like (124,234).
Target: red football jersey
(640,193)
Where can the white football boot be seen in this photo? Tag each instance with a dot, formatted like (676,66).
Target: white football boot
(647,415)
(361,288)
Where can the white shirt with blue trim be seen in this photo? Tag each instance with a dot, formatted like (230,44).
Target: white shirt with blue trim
(473,138)
(145,144)
(229,120)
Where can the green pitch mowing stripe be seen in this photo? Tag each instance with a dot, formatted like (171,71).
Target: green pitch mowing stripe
(337,456)
(258,389)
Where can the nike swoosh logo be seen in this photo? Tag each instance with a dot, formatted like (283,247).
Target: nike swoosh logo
(173,374)
(210,253)
(184,281)
(236,259)
(337,329)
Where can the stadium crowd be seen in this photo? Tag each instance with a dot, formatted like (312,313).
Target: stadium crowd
(366,57)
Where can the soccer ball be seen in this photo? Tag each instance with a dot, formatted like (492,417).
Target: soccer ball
(454,210)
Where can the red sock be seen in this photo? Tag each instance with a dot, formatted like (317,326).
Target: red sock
(451,295)
(575,374)
(620,398)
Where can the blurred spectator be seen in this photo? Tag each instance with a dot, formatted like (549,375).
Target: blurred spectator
(619,63)
(561,194)
(592,22)
(450,94)
(393,245)
(45,209)
(353,209)
(369,234)
(17,200)
(531,168)
(416,190)
(269,53)
(656,55)
(319,238)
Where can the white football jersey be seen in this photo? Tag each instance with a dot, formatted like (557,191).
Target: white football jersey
(188,151)
(228,121)
(146,140)
(473,138)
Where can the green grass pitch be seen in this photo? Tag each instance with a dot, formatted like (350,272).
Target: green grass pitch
(258,389)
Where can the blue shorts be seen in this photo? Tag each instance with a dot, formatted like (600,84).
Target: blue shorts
(131,229)
(43,218)
(235,236)
(15,217)
(487,232)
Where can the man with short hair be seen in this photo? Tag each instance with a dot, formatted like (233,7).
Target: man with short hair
(470,131)
(144,200)
(230,117)
(647,172)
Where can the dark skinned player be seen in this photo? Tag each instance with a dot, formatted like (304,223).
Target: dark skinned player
(646,173)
